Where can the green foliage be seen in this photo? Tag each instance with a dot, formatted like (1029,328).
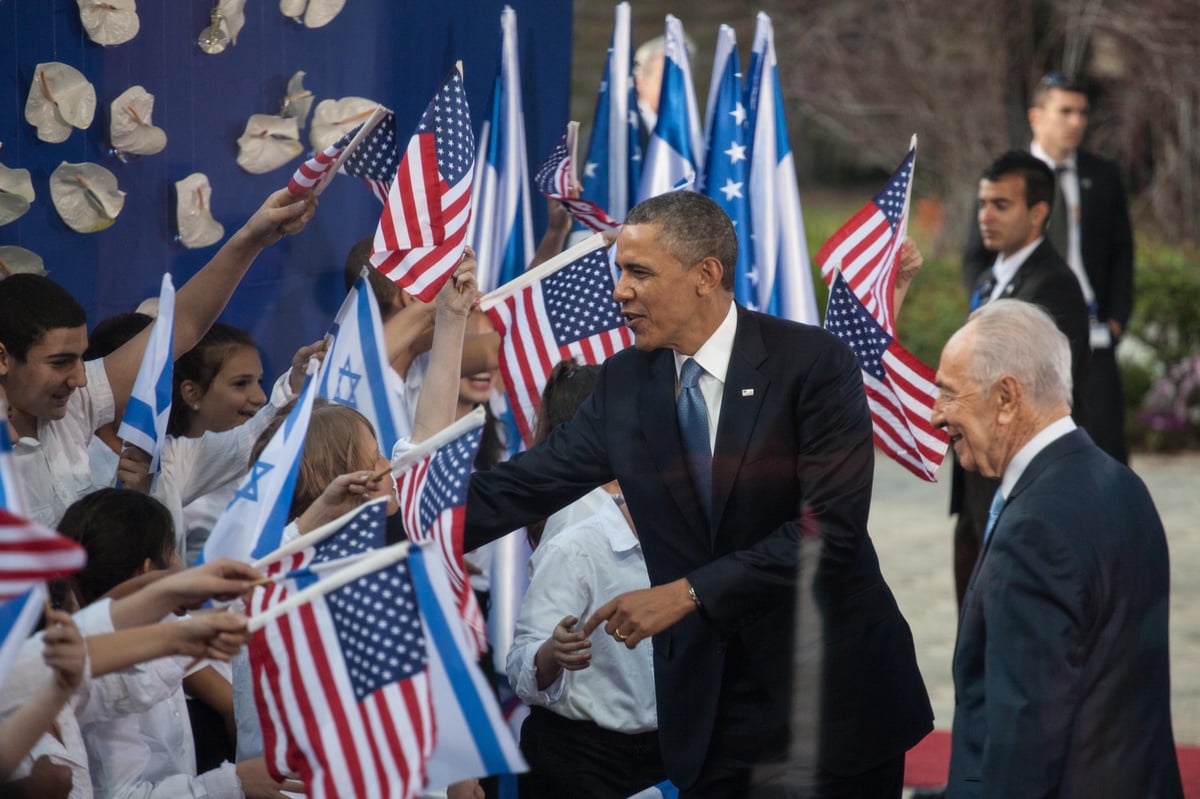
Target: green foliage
(1162,391)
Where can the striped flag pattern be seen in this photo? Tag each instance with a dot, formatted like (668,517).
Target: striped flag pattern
(309,173)
(351,715)
(433,496)
(866,250)
(423,228)
(562,309)
(145,422)
(553,180)
(30,553)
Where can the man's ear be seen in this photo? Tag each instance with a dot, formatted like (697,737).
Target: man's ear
(1009,395)
(1039,213)
(710,271)
(5,357)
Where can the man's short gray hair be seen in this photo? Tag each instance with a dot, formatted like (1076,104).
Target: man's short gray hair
(1020,339)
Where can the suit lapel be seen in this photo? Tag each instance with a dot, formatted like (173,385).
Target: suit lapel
(745,388)
(656,411)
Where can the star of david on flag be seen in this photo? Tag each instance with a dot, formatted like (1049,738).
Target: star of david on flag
(562,309)
(613,167)
(252,523)
(149,407)
(423,228)
(354,370)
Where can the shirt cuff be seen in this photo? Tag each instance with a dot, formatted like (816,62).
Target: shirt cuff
(526,687)
(220,783)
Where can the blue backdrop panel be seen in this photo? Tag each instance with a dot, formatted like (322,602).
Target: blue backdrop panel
(392,51)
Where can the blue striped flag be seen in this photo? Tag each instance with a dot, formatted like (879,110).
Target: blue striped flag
(145,423)
(614,157)
(726,158)
(356,364)
(252,524)
(780,252)
(12,496)
(676,146)
(501,227)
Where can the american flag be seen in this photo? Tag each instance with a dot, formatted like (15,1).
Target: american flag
(563,309)
(309,173)
(341,684)
(433,496)
(423,228)
(30,553)
(867,248)
(374,159)
(900,389)
(553,179)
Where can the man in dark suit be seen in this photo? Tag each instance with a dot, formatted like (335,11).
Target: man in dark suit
(1061,669)
(1015,194)
(1090,229)
(786,422)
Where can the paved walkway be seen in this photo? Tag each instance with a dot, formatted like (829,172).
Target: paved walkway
(912,532)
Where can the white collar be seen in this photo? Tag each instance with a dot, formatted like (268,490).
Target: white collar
(1068,162)
(1005,268)
(713,355)
(1025,455)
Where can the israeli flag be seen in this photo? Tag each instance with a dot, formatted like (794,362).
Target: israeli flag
(356,365)
(614,157)
(664,790)
(472,736)
(676,146)
(18,617)
(780,253)
(501,228)
(253,521)
(726,160)
(145,423)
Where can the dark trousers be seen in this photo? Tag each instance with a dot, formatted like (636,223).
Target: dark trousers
(581,760)
(779,781)
(1106,404)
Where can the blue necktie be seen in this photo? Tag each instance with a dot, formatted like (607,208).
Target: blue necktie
(693,427)
(993,512)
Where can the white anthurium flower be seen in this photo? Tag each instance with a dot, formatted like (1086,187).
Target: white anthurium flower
(335,118)
(86,196)
(268,143)
(18,260)
(298,100)
(16,193)
(130,129)
(193,212)
(109,22)
(60,99)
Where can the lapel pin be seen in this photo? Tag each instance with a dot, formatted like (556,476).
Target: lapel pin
(747,392)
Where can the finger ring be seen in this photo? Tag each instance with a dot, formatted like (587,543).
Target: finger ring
(620,636)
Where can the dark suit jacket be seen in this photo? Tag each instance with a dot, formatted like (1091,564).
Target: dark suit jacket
(1061,670)
(1106,239)
(1045,280)
(793,459)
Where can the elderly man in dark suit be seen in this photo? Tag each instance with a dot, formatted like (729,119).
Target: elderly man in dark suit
(734,436)
(1089,227)
(1061,669)
(1015,195)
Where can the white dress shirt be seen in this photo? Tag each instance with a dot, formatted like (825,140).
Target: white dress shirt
(577,571)
(713,357)
(54,467)
(1006,268)
(1025,455)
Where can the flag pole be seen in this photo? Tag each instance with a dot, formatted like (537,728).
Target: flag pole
(406,460)
(379,113)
